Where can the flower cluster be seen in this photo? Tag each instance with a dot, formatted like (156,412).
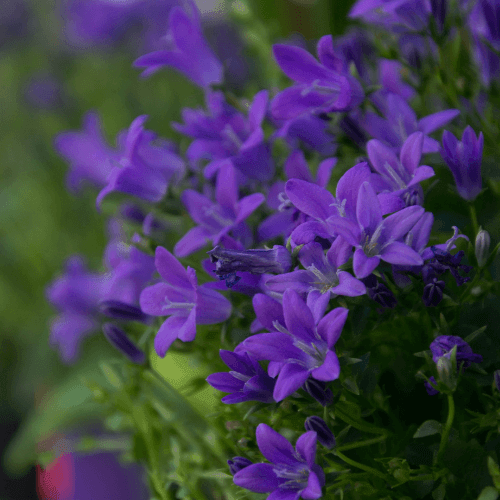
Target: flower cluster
(310,264)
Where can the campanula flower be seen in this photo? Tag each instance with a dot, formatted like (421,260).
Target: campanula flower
(145,169)
(464,160)
(179,296)
(292,473)
(442,346)
(215,220)
(247,380)
(375,238)
(188,51)
(303,347)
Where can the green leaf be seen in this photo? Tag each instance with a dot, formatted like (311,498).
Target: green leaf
(494,472)
(473,335)
(428,428)
(488,493)
(350,384)
(439,492)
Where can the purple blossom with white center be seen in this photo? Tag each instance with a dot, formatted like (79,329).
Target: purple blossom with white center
(247,381)
(321,279)
(303,347)
(76,294)
(145,169)
(90,158)
(180,297)
(397,176)
(287,216)
(320,87)
(464,160)
(375,238)
(225,133)
(401,121)
(216,220)
(188,51)
(292,473)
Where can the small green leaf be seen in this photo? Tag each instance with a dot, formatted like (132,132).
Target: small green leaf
(111,376)
(439,492)
(473,335)
(428,428)
(494,472)
(488,493)
(350,384)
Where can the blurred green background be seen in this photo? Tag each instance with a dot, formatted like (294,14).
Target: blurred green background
(42,224)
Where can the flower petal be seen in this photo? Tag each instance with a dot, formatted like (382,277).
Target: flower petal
(211,307)
(411,152)
(313,489)
(306,446)
(330,327)
(399,253)
(363,265)
(310,199)
(275,346)
(274,446)
(167,333)
(329,370)
(193,240)
(170,269)
(291,378)
(247,205)
(298,317)
(259,478)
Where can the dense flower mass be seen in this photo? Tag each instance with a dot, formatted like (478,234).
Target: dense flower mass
(321,206)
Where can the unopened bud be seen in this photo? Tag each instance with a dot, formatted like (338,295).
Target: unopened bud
(318,390)
(447,372)
(482,247)
(120,341)
(237,464)
(325,435)
(120,310)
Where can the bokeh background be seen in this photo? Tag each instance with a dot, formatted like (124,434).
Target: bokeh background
(48,79)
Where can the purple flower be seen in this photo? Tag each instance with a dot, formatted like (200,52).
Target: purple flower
(43,91)
(180,297)
(292,473)
(379,292)
(375,238)
(225,133)
(76,294)
(120,341)
(91,159)
(321,275)
(188,53)
(303,347)
(215,220)
(145,169)
(319,391)
(246,381)
(464,160)
(401,121)
(399,175)
(320,87)
(442,346)
(237,464)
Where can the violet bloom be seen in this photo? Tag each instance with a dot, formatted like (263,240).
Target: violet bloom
(401,121)
(145,169)
(442,346)
(398,175)
(464,160)
(215,220)
(305,347)
(237,464)
(77,295)
(321,279)
(188,51)
(180,297)
(375,238)
(91,159)
(292,473)
(321,87)
(224,133)
(247,381)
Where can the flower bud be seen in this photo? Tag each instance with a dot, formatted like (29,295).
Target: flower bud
(119,340)
(482,247)
(325,435)
(238,463)
(496,377)
(120,310)
(447,373)
(318,390)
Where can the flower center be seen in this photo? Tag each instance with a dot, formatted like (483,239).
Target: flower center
(325,282)
(371,246)
(296,479)
(216,216)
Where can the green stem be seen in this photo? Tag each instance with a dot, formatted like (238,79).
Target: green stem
(447,429)
(473,216)
(360,444)
(375,472)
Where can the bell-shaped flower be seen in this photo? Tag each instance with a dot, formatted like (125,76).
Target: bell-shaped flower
(145,169)
(292,473)
(247,380)
(179,296)
(376,238)
(188,53)
(320,86)
(91,159)
(225,133)
(303,347)
(215,220)
(464,160)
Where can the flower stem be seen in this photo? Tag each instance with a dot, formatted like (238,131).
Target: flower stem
(360,444)
(473,216)
(447,429)
(375,472)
